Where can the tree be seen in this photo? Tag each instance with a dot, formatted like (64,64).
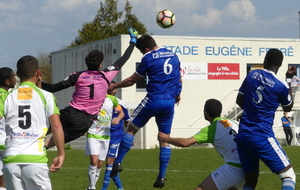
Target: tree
(45,66)
(107,23)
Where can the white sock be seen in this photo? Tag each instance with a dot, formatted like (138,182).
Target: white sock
(2,188)
(97,175)
(92,175)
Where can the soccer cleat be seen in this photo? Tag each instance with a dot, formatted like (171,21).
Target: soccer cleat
(159,183)
(116,168)
(90,189)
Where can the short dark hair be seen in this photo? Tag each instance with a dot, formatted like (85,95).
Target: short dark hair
(213,107)
(27,67)
(5,73)
(145,41)
(94,59)
(274,57)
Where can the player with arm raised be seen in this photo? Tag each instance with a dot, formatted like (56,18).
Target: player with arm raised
(90,90)
(162,67)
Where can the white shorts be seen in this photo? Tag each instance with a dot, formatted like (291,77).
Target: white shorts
(1,161)
(27,176)
(228,176)
(97,147)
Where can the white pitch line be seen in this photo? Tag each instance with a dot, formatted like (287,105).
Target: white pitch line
(152,170)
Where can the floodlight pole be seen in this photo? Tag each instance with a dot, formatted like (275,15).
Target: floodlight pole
(299,23)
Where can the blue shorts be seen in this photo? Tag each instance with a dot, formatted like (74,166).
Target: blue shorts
(251,148)
(113,150)
(115,139)
(162,110)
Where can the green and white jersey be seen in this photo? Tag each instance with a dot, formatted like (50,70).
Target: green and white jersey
(26,110)
(221,133)
(100,128)
(2,124)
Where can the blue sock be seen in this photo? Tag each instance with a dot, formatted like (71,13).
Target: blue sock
(106,177)
(247,188)
(288,184)
(117,181)
(164,159)
(125,146)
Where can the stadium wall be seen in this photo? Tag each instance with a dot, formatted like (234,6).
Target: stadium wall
(212,67)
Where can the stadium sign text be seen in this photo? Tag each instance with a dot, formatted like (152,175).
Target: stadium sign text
(229,50)
(244,51)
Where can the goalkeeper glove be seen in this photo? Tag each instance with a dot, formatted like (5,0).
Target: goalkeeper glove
(133,34)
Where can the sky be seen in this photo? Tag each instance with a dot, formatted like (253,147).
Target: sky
(29,27)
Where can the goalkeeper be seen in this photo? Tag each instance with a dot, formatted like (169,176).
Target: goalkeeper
(91,87)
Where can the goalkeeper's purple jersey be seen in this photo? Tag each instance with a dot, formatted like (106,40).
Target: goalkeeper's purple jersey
(263,92)
(162,67)
(90,89)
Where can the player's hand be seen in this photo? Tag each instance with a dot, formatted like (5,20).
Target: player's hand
(291,72)
(162,137)
(177,99)
(39,79)
(57,163)
(115,121)
(133,35)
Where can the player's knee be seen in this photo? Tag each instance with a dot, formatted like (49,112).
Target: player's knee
(290,174)
(133,129)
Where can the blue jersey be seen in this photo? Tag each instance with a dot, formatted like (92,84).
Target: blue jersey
(284,119)
(263,92)
(117,131)
(162,67)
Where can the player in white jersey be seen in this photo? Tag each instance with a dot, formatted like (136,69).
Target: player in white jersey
(221,133)
(7,81)
(98,136)
(29,112)
(116,133)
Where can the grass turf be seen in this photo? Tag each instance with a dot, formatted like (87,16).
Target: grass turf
(187,168)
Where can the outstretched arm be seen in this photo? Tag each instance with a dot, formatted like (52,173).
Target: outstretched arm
(66,83)
(127,82)
(122,60)
(180,142)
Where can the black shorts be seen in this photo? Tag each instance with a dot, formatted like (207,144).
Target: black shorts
(75,122)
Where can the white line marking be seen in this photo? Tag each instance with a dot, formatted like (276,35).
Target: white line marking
(152,170)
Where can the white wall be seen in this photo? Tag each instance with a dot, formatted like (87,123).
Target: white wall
(199,56)
(196,52)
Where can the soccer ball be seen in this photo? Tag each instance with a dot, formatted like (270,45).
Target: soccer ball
(165,18)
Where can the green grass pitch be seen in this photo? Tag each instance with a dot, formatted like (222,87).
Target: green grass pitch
(187,168)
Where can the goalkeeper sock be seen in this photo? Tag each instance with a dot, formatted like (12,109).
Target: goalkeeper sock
(125,146)
(164,159)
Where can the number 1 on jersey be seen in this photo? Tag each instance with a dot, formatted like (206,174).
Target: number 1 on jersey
(91,91)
